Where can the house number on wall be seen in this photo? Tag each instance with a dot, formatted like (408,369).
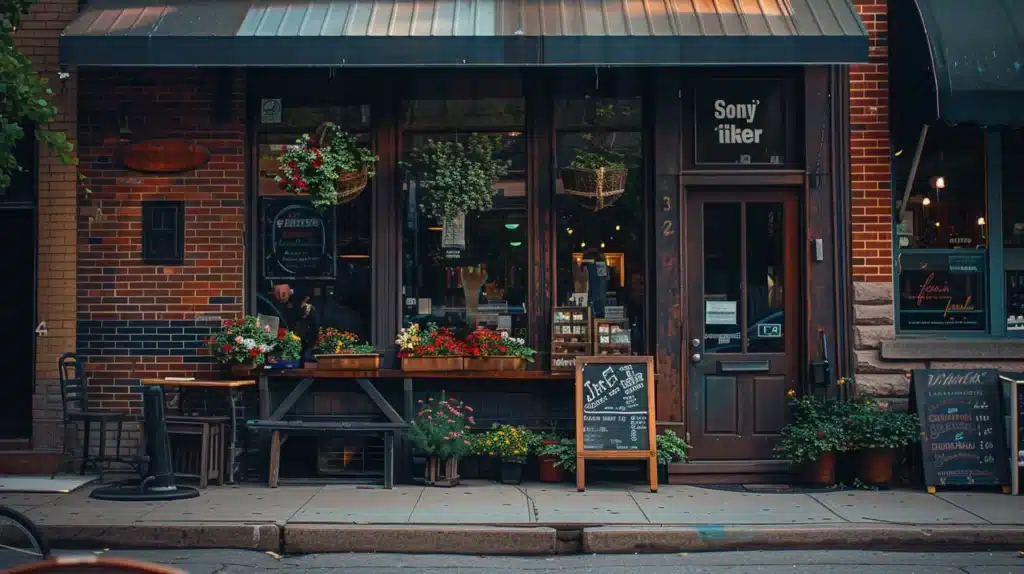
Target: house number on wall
(666,226)
(41,329)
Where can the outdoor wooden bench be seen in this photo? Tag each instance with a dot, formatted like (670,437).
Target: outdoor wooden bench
(281,429)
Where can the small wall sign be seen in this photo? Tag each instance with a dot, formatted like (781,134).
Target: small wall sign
(740,122)
(270,111)
(298,240)
(169,156)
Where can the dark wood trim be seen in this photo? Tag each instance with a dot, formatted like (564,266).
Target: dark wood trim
(540,150)
(252,203)
(665,286)
(842,232)
(413,375)
(745,178)
(386,245)
(730,467)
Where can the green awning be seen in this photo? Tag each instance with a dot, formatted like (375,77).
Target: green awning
(977,55)
(374,33)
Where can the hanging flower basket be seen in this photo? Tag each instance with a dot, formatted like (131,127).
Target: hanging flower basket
(350,184)
(594,189)
(331,167)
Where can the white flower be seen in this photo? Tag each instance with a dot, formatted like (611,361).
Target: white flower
(504,334)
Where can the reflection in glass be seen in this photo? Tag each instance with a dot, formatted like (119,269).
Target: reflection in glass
(722,277)
(599,254)
(1013,189)
(765,261)
(485,282)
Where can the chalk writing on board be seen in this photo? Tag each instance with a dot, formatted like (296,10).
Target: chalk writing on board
(615,407)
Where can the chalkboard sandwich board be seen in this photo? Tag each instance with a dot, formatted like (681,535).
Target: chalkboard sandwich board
(615,416)
(963,442)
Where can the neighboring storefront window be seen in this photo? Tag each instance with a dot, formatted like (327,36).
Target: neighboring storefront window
(471,271)
(319,276)
(599,222)
(1013,230)
(942,234)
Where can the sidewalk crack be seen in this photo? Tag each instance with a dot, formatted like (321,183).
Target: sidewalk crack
(408,519)
(638,507)
(825,506)
(531,506)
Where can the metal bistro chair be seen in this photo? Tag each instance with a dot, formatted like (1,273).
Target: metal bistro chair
(75,400)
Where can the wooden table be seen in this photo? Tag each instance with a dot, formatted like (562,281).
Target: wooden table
(365,381)
(232,387)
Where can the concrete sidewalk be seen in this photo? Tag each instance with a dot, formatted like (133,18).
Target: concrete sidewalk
(487,518)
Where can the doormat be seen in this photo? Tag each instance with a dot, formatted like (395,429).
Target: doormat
(786,488)
(61,484)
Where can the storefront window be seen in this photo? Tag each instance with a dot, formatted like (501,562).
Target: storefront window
(474,272)
(314,267)
(942,234)
(1013,230)
(600,219)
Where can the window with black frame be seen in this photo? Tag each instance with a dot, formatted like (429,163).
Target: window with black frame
(465,270)
(942,234)
(314,266)
(1013,230)
(599,225)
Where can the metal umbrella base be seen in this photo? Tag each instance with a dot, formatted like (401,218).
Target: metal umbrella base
(143,491)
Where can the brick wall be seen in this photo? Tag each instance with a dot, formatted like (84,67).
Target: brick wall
(38,38)
(140,321)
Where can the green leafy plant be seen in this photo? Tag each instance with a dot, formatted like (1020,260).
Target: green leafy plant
(242,342)
(671,448)
(456,178)
(507,442)
(24,98)
(564,453)
(313,167)
(288,346)
(597,159)
(441,428)
(877,426)
(331,341)
(818,427)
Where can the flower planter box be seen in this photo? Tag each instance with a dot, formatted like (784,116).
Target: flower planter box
(438,472)
(349,362)
(242,371)
(875,465)
(424,364)
(281,364)
(495,364)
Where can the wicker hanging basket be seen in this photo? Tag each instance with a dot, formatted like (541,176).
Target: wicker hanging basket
(594,189)
(349,184)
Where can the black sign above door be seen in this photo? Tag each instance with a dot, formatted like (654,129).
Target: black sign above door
(740,121)
(298,240)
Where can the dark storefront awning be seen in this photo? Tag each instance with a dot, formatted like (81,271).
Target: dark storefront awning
(463,32)
(977,52)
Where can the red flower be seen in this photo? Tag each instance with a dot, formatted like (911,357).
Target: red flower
(503,349)
(293,164)
(821,434)
(301,184)
(227,348)
(282,333)
(227,323)
(317,164)
(253,353)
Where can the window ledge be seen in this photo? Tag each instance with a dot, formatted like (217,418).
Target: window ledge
(960,349)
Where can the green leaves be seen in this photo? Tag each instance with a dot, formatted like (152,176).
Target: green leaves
(671,448)
(457,178)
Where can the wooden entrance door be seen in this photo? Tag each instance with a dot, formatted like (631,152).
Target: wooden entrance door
(742,344)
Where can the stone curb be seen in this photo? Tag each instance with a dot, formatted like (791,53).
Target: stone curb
(154,535)
(418,539)
(654,539)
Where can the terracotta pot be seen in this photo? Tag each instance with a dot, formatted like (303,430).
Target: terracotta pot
(875,465)
(821,472)
(546,469)
(433,364)
(494,364)
(349,362)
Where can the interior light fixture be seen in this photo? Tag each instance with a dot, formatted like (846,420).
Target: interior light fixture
(435,228)
(511,226)
(926,201)
(938,182)
(354,256)
(515,243)
(618,228)
(583,243)
(981,221)
(937,224)
(602,245)
(568,230)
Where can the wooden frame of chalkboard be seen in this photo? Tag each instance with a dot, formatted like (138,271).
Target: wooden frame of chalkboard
(616,381)
(1015,400)
(963,441)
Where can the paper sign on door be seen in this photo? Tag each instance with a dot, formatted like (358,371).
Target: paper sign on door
(719,312)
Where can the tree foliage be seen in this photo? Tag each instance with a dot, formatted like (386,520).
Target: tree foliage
(24,97)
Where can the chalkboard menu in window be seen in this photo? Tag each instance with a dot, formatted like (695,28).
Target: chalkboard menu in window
(942,291)
(615,412)
(298,240)
(963,440)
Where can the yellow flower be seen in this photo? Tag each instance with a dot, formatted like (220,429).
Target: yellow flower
(791,393)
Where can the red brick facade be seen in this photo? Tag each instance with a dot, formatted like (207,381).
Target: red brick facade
(869,152)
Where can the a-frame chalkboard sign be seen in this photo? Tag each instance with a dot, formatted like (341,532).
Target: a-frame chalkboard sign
(615,416)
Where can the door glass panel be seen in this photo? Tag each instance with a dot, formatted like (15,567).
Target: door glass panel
(765,273)
(722,277)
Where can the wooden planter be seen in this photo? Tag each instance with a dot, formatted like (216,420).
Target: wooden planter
(821,472)
(874,466)
(438,472)
(350,184)
(242,371)
(349,362)
(434,364)
(494,364)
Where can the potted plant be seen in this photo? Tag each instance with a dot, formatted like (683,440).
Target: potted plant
(243,344)
(489,350)
(456,178)
(331,168)
(433,349)
(671,448)
(287,353)
(511,445)
(877,432)
(813,438)
(596,177)
(563,453)
(548,457)
(336,349)
(439,431)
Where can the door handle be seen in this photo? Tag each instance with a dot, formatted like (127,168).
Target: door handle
(695,358)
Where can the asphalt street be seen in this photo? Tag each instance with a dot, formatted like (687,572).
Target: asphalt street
(776,562)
